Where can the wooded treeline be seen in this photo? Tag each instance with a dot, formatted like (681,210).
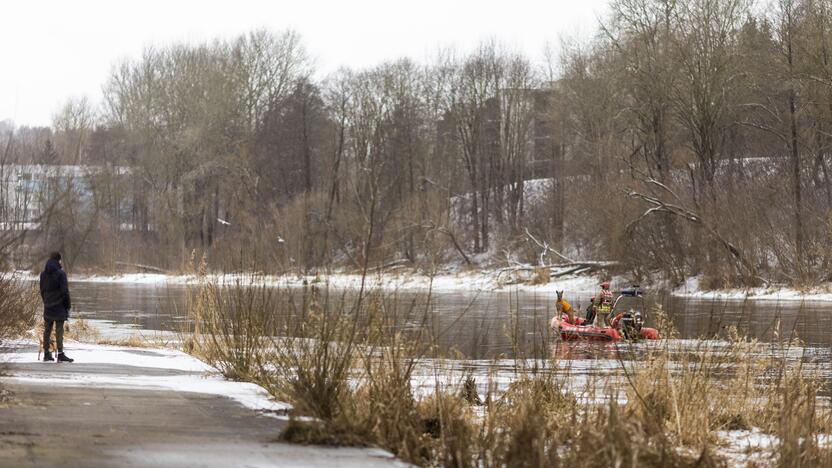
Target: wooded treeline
(685,138)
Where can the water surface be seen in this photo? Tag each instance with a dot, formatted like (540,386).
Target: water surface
(493,324)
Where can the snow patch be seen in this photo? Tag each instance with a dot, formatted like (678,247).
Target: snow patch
(196,376)
(693,289)
(473,281)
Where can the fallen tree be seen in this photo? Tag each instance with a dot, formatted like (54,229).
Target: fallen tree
(665,200)
(566,266)
(567,262)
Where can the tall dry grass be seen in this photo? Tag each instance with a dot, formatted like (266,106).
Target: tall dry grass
(18,312)
(797,415)
(348,365)
(230,327)
(18,307)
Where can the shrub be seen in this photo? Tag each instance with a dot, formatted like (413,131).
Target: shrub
(19,305)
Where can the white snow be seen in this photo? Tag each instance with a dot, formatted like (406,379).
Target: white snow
(747,447)
(464,281)
(104,354)
(475,281)
(467,281)
(196,376)
(692,289)
(754,447)
(135,278)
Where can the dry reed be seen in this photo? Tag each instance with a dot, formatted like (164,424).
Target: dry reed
(348,366)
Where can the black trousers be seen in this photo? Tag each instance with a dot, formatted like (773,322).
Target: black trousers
(59,334)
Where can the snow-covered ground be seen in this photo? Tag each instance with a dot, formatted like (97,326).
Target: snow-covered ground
(118,388)
(473,281)
(754,447)
(194,376)
(693,289)
(468,281)
(480,281)
(464,281)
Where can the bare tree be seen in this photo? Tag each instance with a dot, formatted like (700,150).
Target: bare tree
(72,125)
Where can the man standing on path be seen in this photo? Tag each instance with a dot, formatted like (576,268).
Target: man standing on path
(54,290)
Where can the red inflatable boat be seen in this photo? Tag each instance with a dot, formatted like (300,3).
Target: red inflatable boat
(580,332)
(626,324)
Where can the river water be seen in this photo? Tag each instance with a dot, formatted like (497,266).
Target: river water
(490,325)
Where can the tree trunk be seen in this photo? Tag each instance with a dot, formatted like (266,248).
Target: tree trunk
(795,156)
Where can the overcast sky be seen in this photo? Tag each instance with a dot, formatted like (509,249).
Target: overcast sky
(52,50)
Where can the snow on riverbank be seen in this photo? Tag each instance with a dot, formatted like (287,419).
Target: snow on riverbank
(753,447)
(476,281)
(182,372)
(692,289)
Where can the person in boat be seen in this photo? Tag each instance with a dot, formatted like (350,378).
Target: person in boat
(590,311)
(564,307)
(603,305)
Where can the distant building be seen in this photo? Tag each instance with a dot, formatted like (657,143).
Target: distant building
(534,109)
(540,152)
(27,190)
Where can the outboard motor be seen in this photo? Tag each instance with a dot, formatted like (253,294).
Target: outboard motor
(631,323)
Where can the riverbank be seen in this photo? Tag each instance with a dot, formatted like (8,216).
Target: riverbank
(585,379)
(474,281)
(469,281)
(692,289)
(128,406)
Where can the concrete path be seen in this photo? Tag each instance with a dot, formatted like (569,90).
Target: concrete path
(62,415)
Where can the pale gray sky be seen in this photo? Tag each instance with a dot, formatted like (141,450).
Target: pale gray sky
(52,50)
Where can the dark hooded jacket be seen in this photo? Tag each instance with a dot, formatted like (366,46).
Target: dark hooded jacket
(55,292)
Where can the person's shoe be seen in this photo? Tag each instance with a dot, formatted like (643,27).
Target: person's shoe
(63,358)
(47,357)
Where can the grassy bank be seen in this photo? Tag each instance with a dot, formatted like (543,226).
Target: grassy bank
(354,368)
(19,304)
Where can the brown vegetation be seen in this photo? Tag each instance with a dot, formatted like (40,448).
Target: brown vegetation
(18,311)
(18,307)
(686,138)
(349,367)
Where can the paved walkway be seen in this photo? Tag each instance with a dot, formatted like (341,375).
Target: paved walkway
(62,415)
